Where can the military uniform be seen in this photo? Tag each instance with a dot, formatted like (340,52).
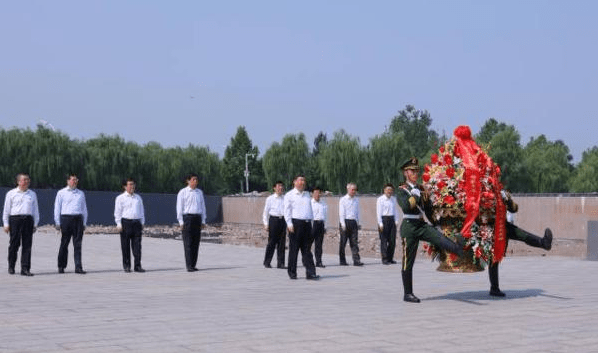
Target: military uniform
(516,233)
(414,201)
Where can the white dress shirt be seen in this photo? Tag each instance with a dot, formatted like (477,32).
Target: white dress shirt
(386,206)
(20,203)
(128,206)
(320,210)
(297,204)
(348,208)
(70,202)
(190,201)
(274,207)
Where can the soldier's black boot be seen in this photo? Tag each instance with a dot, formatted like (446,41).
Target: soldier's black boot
(537,242)
(547,240)
(493,274)
(408,287)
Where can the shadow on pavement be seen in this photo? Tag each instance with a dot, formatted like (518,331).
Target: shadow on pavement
(477,296)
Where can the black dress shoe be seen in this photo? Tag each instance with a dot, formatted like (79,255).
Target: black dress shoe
(293,276)
(267,266)
(192,269)
(11,270)
(393,262)
(127,269)
(344,264)
(320,265)
(60,269)
(26,273)
(80,271)
(139,269)
(283,267)
(358,263)
(313,277)
(411,298)
(495,292)
(385,262)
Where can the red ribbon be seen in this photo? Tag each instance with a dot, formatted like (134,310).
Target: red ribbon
(473,157)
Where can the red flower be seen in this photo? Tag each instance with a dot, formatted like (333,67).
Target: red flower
(434,158)
(478,252)
(441,184)
(441,149)
(447,159)
(427,168)
(450,172)
(453,257)
(426,177)
(449,200)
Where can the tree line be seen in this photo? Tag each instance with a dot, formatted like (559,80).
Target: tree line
(539,166)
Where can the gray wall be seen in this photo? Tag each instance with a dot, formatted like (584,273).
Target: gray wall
(567,215)
(159,208)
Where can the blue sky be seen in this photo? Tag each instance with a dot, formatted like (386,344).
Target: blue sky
(180,72)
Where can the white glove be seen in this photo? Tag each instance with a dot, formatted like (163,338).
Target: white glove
(416,192)
(503,193)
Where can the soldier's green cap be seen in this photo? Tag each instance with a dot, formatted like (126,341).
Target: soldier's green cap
(411,163)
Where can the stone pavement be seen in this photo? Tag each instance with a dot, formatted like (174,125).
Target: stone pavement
(234,304)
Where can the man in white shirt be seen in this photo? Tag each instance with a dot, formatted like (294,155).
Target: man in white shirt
(387,215)
(70,217)
(273,220)
(320,210)
(191,214)
(20,217)
(130,218)
(298,216)
(348,215)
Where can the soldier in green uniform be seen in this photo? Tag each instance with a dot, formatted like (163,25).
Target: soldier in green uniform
(516,233)
(414,201)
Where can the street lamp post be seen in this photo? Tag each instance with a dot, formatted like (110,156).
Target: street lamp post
(246,172)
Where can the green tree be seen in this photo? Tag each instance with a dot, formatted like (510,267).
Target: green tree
(548,165)
(233,163)
(415,125)
(585,177)
(385,155)
(339,161)
(283,161)
(503,144)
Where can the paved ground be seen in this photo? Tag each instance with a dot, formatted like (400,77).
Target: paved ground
(233,304)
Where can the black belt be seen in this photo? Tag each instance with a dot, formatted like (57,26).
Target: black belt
(21,216)
(192,214)
(131,220)
(318,221)
(388,217)
(71,215)
(301,220)
(277,217)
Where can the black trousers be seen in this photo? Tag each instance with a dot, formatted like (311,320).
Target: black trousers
(388,238)
(191,238)
(317,232)
(300,239)
(277,230)
(130,239)
(350,234)
(21,233)
(71,226)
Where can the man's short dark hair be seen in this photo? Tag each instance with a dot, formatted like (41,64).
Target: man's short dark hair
(388,185)
(278,182)
(191,176)
(316,188)
(127,180)
(299,176)
(70,175)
